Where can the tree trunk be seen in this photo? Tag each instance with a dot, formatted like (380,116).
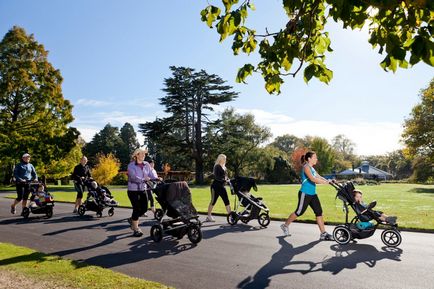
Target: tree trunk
(198,144)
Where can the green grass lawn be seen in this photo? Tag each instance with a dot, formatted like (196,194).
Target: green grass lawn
(412,203)
(65,273)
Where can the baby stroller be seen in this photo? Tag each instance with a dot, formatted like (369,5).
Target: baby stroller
(254,207)
(42,203)
(175,201)
(343,234)
(98,198)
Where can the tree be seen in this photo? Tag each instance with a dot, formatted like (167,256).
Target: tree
(403,31)
(106,169)
(130,143)
(106,141)
(237,136)
(418,133)
(189,96)
(344,152)
(287,143)
(325,153)
(418,136)
(34,116)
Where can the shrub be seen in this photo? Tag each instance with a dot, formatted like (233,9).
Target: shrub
(106,169)
(120,179)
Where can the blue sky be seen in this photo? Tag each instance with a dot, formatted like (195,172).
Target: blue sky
(114,56)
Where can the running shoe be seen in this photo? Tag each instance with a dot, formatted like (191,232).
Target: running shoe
(326,237)
(75,211)
(285,229)
(210,219)
(138,233)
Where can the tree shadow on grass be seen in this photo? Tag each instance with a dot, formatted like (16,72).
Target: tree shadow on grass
(278,265)
(349,256)
(37,257)
(423,190)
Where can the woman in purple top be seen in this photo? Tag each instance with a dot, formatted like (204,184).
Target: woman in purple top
(139,172)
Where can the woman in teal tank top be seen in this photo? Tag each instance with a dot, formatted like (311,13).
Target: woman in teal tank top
(307,195)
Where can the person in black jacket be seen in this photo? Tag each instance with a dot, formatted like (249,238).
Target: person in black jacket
(218,186)
(80,173)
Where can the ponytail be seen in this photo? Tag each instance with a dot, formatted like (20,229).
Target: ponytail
(306,157)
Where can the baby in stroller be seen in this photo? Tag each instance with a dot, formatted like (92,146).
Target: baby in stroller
(367,214)
(102,194)
(39,196)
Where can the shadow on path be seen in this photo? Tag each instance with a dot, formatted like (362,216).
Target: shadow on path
(278,263)
(349,256)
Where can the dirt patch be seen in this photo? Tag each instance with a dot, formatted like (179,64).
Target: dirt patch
(13,280)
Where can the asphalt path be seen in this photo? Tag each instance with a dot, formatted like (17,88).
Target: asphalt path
(240,256)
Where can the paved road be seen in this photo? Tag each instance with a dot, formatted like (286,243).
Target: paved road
(243,256)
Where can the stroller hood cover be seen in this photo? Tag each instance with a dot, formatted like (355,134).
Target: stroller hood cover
(345,193)
(178,196)
(243,184)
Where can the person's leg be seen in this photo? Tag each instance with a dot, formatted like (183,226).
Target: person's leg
(20,192)
(225,198)
(151,200)
(78,201)
(143,200)
(303,202)
(213,201)
(135,204)
(25,196)
(315,204)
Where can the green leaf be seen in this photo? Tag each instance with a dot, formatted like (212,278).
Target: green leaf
(309,71)
(243,72)
(286,63)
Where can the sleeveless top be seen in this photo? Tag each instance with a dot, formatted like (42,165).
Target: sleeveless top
(307,186)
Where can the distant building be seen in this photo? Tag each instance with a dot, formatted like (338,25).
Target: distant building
(366,171)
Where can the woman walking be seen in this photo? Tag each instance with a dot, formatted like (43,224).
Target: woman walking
(79,175)
(139,172)
(307,195)
(218,186)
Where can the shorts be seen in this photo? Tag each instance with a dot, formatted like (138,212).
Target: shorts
(219,190)
(80,189)
(23,191)
(305,200)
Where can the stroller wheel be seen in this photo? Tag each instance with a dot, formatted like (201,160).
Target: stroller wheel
(111,212)
(49,212)
(99,214)
(391,238)
(26,213)
(342,235)
(81,210)
(194,234)
(158,215)
(232,218)
(264,219)
(157,233)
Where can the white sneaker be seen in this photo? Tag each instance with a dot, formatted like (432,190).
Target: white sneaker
(285,229)
(210,219)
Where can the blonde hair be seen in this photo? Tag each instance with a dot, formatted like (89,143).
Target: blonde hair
(138,151)
(220,159)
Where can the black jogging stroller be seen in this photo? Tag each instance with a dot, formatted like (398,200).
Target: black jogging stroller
(98,198)
(246,206)
(175,201)
(344,233)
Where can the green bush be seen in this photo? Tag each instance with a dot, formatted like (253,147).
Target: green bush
(120,179)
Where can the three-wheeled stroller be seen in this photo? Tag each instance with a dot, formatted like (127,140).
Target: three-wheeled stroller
(98,198)
(175,201)
(253,207)
(41,203)
(343,234)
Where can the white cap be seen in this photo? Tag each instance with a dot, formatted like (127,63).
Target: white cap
(25,155)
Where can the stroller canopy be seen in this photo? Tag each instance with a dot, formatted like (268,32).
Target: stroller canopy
(345,193)
(177,195)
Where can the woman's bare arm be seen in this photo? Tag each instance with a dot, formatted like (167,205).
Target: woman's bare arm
(316,180)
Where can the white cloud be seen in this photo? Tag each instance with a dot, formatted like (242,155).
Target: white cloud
(370,137)
(92,102)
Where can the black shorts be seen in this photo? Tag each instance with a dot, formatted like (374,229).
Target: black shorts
(80,188)
(219,190)
(23,191)
(305,200)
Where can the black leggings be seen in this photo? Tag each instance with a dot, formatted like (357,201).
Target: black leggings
(23,191)
(139,202)
(219,190)
(80,188)
(305,200)
(150,197)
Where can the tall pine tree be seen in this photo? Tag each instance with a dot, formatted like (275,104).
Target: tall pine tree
(190,96)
